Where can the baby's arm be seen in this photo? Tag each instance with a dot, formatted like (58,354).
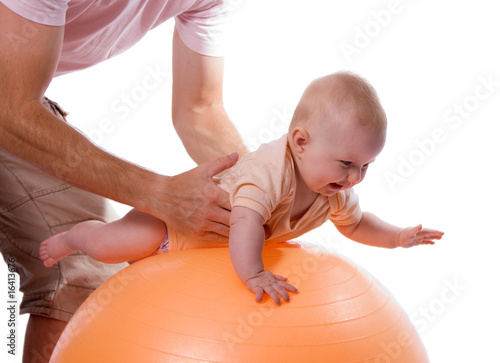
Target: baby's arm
(246,241)
(373,231)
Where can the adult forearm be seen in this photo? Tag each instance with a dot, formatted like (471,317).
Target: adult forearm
(34,134)
(207,133)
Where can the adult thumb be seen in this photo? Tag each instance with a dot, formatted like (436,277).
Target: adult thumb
(219,165)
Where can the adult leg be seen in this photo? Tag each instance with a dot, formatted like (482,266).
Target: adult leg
(42,334)
(34,206)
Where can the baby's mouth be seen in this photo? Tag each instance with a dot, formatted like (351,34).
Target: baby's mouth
(335,186)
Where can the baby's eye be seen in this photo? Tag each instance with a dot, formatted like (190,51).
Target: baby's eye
(366,166)
(347,163)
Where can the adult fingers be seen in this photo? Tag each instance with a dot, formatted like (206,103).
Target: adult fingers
(216,210)
(217,221)
(221,235)
(222,199)
(219,165)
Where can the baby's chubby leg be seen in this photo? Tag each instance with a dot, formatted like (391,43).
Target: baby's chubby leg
(133,237)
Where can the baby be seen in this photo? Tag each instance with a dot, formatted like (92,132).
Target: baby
(290,186)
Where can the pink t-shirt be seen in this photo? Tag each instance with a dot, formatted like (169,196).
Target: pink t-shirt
(96,30)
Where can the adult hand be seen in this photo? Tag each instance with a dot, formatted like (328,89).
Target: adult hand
(193,204)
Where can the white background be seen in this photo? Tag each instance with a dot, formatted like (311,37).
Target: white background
(427,60)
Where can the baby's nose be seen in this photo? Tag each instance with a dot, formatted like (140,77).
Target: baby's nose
(354,177)
(346,183)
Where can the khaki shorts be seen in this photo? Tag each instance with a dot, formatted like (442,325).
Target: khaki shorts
(33,206)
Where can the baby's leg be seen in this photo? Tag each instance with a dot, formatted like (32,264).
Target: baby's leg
(135,236)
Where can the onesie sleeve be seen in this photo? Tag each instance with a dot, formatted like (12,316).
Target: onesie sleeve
(258,186)
(202,28)
(345,208)
(47,12)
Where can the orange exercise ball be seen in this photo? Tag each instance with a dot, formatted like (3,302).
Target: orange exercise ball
(189,306)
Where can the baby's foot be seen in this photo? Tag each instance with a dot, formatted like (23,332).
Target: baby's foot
(54,248)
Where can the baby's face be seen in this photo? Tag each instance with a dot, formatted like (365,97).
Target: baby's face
(337,159)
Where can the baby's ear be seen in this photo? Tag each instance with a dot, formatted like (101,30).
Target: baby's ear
(299,139)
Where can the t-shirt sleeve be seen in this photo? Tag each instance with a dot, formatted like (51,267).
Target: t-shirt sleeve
(48,12)
(202,28)
(345,208)
(258,186)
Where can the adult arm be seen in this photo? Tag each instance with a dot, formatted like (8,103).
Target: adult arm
(198,112)
(29,53)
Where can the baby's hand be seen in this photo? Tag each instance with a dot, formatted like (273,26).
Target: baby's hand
(414,236)
(273,285)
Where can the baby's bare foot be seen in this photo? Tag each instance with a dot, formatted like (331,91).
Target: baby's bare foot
(54,248)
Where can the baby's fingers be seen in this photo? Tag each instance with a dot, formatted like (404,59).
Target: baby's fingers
(279,277)
(289,287)
(259,294)
(273,292)
(286,285)
(431,234)
(415,230)
(427,236)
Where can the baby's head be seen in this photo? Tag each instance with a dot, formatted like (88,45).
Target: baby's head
(337,130)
